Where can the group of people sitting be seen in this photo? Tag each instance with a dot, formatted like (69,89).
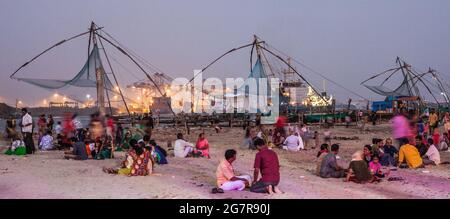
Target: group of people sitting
(374,161)
(291,138)
(183,148)
(141,158)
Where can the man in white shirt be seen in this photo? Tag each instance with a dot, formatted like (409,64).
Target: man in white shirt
(182,148)
(27,131)
(293,142)
(432,157)
(78,127)
(46,143)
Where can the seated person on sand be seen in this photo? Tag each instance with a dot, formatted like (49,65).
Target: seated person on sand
(293,142)
(278,140)
(202,146)
(389,148)
(264,134)
(329,167)
(445,142)
(158,153)
(266,162)
(125,168)
(376,145)
(367,153)
(17,147)
(46,143)
(103,148)
(375,168)
(421,146)
(432,157)
(182,148)
(78,152)
(385,159)
(410,154)
(249,138)
(320,155)
(226,179)
(358,170)
(142,163)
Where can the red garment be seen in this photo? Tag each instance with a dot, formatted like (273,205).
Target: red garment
(67,125)
(203,146)
(140,164)
(436,139)
(42,123)
(110,123)
(281,122)
(267,161)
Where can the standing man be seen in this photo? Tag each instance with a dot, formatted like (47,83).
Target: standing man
(27,131)
(50,122)
(266,162)
(433,121)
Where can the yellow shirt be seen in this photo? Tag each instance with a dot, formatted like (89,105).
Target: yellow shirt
(433,119)
(411,155)
(224,172)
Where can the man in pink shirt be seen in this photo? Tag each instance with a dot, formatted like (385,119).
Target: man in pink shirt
(226,180)
(400,126)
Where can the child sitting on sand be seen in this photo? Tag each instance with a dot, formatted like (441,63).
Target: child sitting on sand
(125,168)
(375,167)
(17,147)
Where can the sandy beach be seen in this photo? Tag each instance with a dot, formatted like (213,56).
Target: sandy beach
(48,175)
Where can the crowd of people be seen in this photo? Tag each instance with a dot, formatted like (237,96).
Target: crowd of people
(416,143)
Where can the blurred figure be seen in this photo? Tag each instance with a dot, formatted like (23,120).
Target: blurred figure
(42,126)
(10,131)
(96,130)
(50,122)
(280,124)
(433,120)
(446,121)
(119,136)
(400,127)
(79,133)
(249,137)
(148,123)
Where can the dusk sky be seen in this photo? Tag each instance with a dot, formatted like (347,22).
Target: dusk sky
(348,41)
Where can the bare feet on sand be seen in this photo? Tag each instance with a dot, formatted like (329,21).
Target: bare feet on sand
(277,190)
